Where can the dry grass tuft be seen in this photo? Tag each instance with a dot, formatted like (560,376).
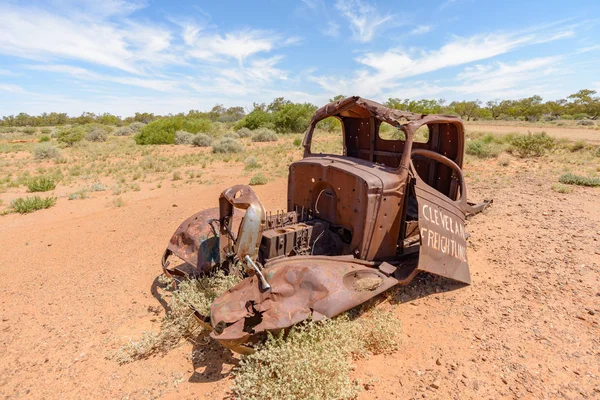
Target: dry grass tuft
(179,322)
(314,360)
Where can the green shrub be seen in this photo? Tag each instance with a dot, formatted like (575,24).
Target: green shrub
(28,130)
(40,184)
(124,131)
(201,140)
(183,137)
(332,124)
(70,135)
(162,131)
(46,131)
(531,144)
(31,204)
(244,132)
(45,151)
(227,145)
(256,119)
(264,135)
(293,117)
(258,179)
(572,179)
(6,129)
(44,138)
(297,142)
(566,116)
(482,149)
(96,134)
(580,116)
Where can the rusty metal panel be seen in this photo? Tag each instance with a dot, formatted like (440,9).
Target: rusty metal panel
(301,287)
(443,249)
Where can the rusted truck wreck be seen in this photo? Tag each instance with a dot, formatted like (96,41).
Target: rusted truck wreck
(356,224)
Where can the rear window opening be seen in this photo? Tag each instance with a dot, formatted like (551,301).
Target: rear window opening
(389,132)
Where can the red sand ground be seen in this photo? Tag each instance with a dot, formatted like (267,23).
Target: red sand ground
(77,279)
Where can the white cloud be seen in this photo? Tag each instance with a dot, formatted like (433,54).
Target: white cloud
(364,18)
(161,85)
(420,30)
(37,34)
(332,29)
(495,80)
(238,44)
(385,71)
(6,87)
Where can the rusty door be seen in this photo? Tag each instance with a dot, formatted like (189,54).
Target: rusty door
(443,249)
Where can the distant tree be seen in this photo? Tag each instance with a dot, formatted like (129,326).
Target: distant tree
(336,98)
(584,101)
(556,108)
(531,108)
(278,104)
(466,109)
(494,107)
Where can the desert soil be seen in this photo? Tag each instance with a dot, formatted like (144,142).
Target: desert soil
(78,280)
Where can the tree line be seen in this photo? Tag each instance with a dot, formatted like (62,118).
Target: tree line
(285,116)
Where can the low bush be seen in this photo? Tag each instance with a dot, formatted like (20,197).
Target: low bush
(31,204)
(244,132)
(579,180)
(28,130)
(578,146)
(531,144)
(71,135)
(580,116)
(96,134)
(45,151)
(314,360)
(44,138)
(6,129)
(585,122)
(264,135)
(124,131)
(79,195)
(482,149)
(40,184)
(136,126)
(231,135)
(561,188)
(227,145)
(297,142)
(46,131)
(251,163)
(201,140)
(162,131)
(183,137)
(258,179)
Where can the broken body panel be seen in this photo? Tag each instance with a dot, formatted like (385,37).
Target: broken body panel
(356,225)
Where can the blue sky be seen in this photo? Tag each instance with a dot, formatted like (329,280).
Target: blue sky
(164,57)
